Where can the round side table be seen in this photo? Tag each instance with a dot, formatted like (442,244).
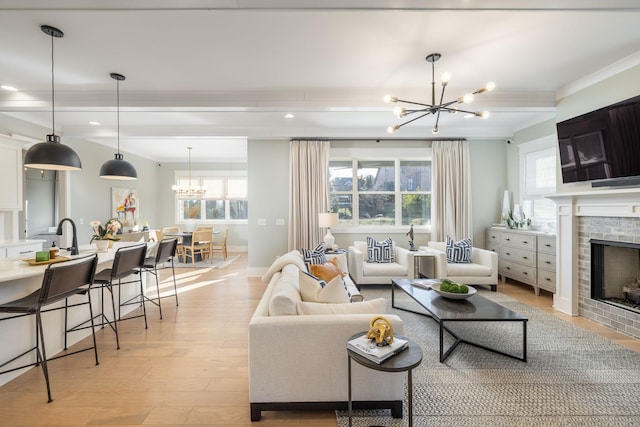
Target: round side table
(406,360)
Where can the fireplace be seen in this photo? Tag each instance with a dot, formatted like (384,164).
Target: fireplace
(615,273)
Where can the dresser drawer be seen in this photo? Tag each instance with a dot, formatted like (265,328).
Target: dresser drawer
(493,247)
(547,244)
(547,280)
(521,256)
(518,272)
(523,241)
(493,236)
(546,261)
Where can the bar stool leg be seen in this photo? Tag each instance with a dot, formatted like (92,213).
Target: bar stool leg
(43,358)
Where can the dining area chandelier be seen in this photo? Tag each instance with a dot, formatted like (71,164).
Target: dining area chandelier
(435,108)
(189,190)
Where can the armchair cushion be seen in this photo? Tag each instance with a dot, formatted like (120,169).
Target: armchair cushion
(379,251)
(459,252)
(364,272)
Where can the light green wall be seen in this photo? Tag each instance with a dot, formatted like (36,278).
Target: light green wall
(268,200)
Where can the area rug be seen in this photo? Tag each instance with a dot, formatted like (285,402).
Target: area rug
(218,262)
(573,377)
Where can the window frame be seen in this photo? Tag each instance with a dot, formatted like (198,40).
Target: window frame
(355,155)
(527,197)
(197,177)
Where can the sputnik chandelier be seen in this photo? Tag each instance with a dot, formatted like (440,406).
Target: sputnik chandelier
(434,108)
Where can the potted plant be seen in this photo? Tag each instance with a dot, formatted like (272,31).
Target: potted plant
(105,235)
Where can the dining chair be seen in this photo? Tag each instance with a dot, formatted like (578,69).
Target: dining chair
(128,262)
(61,281)
(201,243)
(165,253)
(222,246)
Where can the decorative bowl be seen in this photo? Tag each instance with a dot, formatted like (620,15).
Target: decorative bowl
(450,295)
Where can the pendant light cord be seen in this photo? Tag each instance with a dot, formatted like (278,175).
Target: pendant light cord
(118,110)
(53,94)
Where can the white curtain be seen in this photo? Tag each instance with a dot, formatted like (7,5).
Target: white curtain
(308,191)
(451,191)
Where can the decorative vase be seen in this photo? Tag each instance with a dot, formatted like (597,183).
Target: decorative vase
(190,225)
(102,245)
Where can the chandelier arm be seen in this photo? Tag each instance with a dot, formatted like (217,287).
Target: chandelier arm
(413,120)
(417,103)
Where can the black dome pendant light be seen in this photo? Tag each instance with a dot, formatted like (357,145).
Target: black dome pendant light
(118,168)
(52,155)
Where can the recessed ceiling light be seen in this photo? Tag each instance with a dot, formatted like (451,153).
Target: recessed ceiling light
(94,123)
(10,88)
(288,116)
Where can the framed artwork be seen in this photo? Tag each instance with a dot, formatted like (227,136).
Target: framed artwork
(125,205)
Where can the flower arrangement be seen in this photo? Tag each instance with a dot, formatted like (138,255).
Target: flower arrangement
(517,221)
(108,232)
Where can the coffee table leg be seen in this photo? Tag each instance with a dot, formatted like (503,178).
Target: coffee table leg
(524,341)
(441,341)
(349,375)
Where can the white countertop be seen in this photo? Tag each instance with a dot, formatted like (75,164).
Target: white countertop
(7,243)
(16,268)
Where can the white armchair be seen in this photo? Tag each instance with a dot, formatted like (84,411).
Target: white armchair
(483,269)
(369,273)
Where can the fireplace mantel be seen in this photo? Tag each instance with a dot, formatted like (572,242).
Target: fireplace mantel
(619,202)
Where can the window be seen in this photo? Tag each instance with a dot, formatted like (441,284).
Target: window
(224,201)
(389,192)
(538,178)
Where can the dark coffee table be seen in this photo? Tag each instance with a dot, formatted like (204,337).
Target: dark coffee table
(473,309)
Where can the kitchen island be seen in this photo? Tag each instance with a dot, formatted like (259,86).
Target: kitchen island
(18,279)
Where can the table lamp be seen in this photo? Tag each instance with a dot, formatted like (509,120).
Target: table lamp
(328,220)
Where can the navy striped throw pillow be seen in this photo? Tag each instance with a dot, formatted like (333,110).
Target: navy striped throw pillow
(459,252)
(314,256)
(380,251)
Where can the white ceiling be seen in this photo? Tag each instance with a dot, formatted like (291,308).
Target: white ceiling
(209,74)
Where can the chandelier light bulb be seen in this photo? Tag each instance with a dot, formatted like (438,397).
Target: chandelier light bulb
(389,98)
(484,114)
(392,129)
(400,112)
(468,98)
(490,86)
(446,76)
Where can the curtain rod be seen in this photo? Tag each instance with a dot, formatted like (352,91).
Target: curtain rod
(380,139)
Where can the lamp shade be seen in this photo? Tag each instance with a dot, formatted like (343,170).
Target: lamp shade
(118,168)
(52,155)
(328,219)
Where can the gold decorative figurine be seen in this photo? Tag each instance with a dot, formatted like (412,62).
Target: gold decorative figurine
(381,330)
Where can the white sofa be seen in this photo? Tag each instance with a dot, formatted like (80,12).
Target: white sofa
(483,269)
(371,273)
(299,361)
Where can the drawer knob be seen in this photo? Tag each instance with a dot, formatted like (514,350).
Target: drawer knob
(547,262)
(508,268)
(508,253)
(524,257)
(548,245)
(547,279)
(508,240)
(525,273)
(525,242)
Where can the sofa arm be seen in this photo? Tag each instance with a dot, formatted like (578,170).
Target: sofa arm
(486,257)
(304,358)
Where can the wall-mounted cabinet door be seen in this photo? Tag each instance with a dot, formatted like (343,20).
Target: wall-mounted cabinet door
(10,174)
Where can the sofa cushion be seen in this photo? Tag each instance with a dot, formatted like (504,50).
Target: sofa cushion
(326,271)
(380,251)
(314,290)
(285,294)
(314,256)
(458,252)
(374,306)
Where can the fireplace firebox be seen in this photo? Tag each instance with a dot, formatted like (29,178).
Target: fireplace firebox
(615,273)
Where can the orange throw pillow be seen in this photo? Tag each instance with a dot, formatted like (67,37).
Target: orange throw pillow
(326,271)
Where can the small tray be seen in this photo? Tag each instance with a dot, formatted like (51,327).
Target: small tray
(50,261)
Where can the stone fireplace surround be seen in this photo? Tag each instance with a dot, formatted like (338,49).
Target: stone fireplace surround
(612,215)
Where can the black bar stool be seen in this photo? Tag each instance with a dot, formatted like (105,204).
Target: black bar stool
(128,261)
(165,253)
(61,281)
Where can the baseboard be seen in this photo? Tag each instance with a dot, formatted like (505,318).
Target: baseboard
(257,408)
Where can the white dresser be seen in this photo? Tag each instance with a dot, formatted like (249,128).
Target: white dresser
(526,256)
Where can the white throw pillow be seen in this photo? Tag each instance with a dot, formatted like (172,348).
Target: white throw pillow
(314,290)
(374,306)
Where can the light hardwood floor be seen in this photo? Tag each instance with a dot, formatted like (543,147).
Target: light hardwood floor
(188,369)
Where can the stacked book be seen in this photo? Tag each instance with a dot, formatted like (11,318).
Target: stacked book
(425,283)
(367,347)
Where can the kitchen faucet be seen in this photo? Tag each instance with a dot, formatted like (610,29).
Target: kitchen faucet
(74,242)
